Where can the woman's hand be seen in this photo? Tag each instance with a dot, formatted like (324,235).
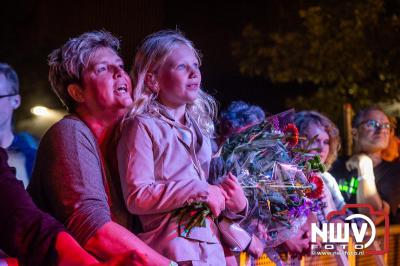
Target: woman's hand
(364,166)
(235,200)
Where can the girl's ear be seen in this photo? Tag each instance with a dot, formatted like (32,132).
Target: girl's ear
(76,92)
(151,82)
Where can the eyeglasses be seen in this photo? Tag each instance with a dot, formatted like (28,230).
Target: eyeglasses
(374,125)
(7,95)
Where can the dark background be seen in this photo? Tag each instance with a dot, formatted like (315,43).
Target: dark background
(30,29)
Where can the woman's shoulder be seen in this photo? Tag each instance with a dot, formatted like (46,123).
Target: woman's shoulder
(68,129)
(328,177)
(69,121)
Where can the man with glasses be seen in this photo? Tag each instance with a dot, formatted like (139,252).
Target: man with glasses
(366,177)
(21,148)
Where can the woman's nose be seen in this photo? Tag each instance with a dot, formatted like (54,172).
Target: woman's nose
(118,71)
(317,146)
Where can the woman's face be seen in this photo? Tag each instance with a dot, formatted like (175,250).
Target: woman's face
(320,145)
(106,85)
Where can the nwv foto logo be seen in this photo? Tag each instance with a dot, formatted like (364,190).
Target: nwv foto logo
(339,234)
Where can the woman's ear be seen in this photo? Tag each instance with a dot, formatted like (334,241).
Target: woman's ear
(76,92)
(151,82)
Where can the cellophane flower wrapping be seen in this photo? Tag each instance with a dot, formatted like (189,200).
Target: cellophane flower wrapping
(273,176)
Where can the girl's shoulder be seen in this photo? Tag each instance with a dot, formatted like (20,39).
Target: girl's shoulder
(143,118)
(148,121)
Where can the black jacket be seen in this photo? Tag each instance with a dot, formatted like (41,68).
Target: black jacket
(25,231)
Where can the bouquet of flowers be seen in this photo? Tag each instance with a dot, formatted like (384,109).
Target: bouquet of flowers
(280,181)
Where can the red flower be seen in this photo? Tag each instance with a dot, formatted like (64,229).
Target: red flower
(291,134)
(317,186)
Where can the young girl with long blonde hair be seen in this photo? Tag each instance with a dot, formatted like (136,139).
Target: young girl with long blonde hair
(164,152)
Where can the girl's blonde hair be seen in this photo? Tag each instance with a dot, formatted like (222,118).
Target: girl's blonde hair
(149,58)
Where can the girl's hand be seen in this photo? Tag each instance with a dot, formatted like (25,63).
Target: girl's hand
(236,200)
(256,247)
(216,199)
(300,244)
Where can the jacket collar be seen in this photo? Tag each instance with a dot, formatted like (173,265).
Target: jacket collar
(166,112)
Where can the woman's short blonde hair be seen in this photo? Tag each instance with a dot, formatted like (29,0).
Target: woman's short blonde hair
(68,62)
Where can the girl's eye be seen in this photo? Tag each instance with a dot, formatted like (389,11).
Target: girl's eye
(181,66)
(196,66)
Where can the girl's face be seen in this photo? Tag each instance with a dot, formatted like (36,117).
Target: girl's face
(320,145)
(179,78)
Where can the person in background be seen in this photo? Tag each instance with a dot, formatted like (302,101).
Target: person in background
(322,138)
(391,153)
(236,118)
(70,180)
(21,148)
(365,177)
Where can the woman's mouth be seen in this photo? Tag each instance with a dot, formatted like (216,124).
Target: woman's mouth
(121,90)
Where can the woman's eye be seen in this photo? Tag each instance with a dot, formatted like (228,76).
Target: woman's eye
(101,69)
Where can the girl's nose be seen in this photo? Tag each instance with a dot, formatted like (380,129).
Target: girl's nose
(194,71)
